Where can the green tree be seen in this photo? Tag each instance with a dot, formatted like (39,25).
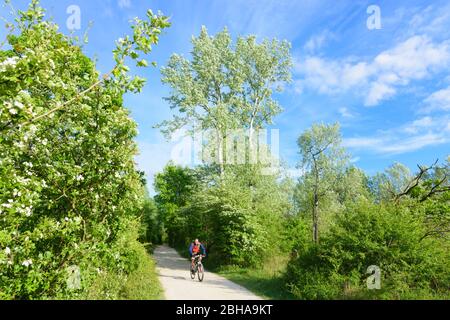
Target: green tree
(241,217)
(225,86)
(174,187)
(323,159)
(387,185)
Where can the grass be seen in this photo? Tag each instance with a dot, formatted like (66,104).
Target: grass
(140,284)
(266,282)
(143,283)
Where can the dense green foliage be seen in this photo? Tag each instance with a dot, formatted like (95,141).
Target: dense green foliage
(235,209)
(395,220)
(72,199)
(70,195)
(366,234)
(239,216)
(401,226)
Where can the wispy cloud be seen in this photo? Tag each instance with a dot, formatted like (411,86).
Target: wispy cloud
(437,101)
(412,136)
(346,113)
(419,124)
(432,20)
(389,145)
(318,41)
(283,19)
(124,3)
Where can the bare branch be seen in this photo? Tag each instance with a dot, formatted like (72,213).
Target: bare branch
(436,188)
(415,181)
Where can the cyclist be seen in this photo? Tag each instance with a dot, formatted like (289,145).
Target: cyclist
(194,250)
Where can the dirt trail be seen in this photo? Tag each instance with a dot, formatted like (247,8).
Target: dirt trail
(174,275)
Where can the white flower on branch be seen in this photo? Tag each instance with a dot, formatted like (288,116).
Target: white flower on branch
(18,104)
(8,63)
(27,263)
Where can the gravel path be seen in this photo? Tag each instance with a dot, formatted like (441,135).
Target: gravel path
(174,275)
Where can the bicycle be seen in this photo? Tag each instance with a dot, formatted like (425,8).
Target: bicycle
(198,269)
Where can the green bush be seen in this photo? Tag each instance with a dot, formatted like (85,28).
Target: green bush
(388,236)
(70,194)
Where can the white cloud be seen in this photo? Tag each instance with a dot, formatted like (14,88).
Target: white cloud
(414,59)
(439,100)
(377,92)
(331,77)
(344,112)
(431,20)
(388,145)
(410,137)
(124,3)
(317,41)
(416,125)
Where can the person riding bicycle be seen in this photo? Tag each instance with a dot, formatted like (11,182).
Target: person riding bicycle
(196,250)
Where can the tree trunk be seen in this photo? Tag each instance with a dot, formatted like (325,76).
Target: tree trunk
(316,218)
(220,152)
(316,203)
(252,152)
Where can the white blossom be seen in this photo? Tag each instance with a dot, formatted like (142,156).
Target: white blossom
(18,104)
(28,211)
(13,111)
(19,145)
(79,177)
(7,251)
(33,128)
(8,63)
(27,263)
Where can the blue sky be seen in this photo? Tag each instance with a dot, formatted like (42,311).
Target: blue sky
(389,88)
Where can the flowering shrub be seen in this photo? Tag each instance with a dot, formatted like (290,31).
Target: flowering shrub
(69,190)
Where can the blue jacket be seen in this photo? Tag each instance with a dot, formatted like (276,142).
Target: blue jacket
(202,248)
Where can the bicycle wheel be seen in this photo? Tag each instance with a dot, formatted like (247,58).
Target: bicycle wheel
(192,272)
(201,273)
